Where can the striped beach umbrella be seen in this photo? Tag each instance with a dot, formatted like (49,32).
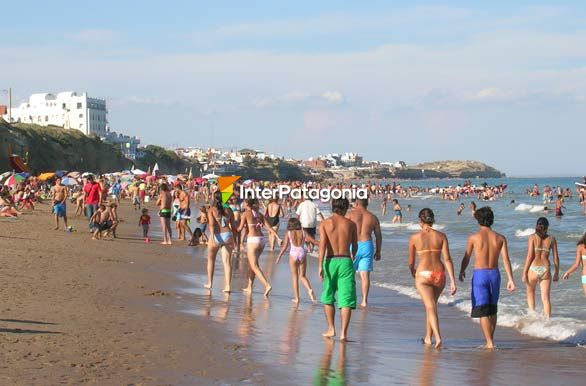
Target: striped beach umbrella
(13,180)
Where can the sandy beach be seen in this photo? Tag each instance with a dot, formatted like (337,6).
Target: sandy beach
(76,311)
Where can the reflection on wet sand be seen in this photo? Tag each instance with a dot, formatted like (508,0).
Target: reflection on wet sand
(293,332)
(326,374)
(428,366)
(483,367)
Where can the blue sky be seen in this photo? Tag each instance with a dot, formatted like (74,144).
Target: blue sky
(403,80)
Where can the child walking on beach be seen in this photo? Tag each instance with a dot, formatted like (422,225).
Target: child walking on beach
(144,222)
(296,239)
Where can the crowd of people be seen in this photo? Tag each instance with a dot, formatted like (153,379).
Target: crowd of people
(349,241)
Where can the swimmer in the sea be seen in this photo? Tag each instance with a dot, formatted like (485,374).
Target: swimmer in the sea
(398,218)
(460,209)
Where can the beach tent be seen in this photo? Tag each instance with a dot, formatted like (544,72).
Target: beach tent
(46,176)
(69,181)
(13,180)
(5,175)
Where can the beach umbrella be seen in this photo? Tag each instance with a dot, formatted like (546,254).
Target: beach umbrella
(199,180)
(87,174)
(46,176)
(69,181)
(210,176)
(13,180)
(138,172)
(74,174)
(60,173)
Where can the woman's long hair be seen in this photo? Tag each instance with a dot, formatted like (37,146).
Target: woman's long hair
(541,227)
(218,202)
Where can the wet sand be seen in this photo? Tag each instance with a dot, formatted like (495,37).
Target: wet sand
(126,312)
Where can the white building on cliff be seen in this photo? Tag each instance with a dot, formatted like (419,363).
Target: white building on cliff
(65,109)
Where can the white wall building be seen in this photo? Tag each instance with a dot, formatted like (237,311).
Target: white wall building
(66,109)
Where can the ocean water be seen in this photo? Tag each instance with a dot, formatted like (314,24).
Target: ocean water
(515,221)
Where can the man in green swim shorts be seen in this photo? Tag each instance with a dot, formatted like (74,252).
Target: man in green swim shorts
(338,236)
(164,203)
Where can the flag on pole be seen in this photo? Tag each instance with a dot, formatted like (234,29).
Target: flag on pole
(155,169)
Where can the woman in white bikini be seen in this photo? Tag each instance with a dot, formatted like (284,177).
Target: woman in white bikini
(430,274)
(537,267)
(222,230)
(580,261)
(253,220)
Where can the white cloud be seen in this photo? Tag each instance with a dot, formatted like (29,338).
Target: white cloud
(298,99)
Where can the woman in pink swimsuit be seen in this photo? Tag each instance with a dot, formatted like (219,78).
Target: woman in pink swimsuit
(296,238)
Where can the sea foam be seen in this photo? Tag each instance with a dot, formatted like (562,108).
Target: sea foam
(559,329)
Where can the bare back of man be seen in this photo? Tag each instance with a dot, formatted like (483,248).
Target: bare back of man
(487,246)
(338,238)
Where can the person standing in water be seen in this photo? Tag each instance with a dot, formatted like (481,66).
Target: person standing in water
(273,214)
(338,237)
(366,224)
(296,238)
(398,218)
(430,274)
(537,268)
(222,235)
(487,246)
(579,262)
(255,243)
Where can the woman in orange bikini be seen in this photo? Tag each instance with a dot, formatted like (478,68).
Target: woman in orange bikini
(430,275)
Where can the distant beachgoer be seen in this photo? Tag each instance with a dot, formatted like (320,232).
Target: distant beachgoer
(308,211)
(398,218)
(222,232)
(473,208)
(537,267)
(487,246)
(255,243)
(338,238)
(164,202)
(134,194)
(559,204)
(296,238)
(116,191)
(460,209)
(92,197)
(384,205)
(579,262)
(237,210)
(114,218)
(430,274)
(60,193)
(273,213)
(183,213)
(102,222)
(366,224)
(144,222)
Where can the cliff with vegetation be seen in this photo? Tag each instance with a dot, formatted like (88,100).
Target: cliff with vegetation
(272,170)
(457,169)
(54,148)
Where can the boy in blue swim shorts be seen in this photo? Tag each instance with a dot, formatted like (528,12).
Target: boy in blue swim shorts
(487,246)
(366,224)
